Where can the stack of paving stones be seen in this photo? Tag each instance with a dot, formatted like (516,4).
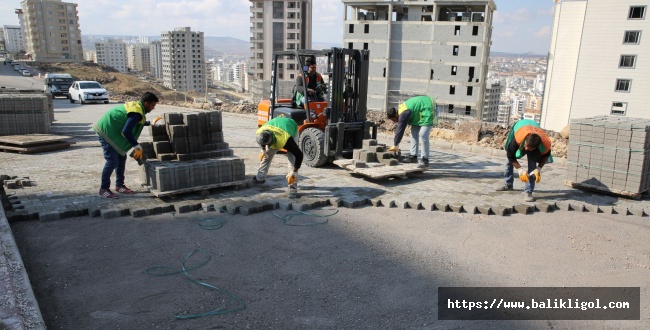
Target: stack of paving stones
(371,152)
(610,153)
(189,151)
(25,113)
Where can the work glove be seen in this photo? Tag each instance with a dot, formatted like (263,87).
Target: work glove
(155,120)
(523,175)
(538,174)
(291,178)
(137,152)
(263,154)
(394,149)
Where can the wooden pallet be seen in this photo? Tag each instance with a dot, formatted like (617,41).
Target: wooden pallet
(378,170)
(33,143)
(605,190)
(202,189)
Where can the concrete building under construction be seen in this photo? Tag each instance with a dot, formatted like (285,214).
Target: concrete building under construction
(419,47)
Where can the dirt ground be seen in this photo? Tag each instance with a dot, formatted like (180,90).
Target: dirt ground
(368,268)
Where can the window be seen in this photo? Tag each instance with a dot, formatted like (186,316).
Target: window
(454,69)
(452,89)
(636,12)
(450,108)
(475,30)
(366,28)
(365,45)
(457,30)
(627,61)
(278,9)
(468,110)
(473,51)
(455,51)
(619,108)
(350,45)
(470,90)
(632,37)
(623,85)
(351,28)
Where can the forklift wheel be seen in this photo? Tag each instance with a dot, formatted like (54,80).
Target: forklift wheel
(312,144)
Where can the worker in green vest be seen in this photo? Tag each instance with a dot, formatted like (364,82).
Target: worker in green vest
(119,129)
(279,133)
(526,138)
(419,112)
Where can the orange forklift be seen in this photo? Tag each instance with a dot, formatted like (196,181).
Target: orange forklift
(329,129)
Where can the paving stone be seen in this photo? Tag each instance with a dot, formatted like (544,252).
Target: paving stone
(470,208)
(208,207)
(442,206)
(545,207)
(187,208)
(301,206)
(139,212)
(73,213)
(109,213)
(636,211)
(355,203)
(376,202)
(524,208)
(415,205)
(565,206)
(285,205)
(250,208)
(456,207)
(231,208)
(591,208)
(49,216)
(484,209)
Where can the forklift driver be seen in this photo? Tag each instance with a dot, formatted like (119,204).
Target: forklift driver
(315,85)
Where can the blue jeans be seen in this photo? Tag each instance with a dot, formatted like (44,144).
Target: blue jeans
(420,133)
(509,178)
(114,161)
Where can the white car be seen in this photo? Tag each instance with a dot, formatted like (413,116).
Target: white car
(87,91)
(26,73)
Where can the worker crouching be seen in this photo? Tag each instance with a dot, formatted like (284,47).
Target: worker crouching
(279,133)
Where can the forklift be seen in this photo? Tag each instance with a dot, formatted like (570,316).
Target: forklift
(332,128)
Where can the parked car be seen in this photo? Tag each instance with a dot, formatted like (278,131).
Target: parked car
(26,73)
(87,91)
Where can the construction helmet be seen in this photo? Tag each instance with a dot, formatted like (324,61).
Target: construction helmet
(265,138)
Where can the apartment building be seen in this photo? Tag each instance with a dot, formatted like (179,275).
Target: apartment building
(278,25)
(155,60)
(138,57)
(436,48)
(13,38)
(52,30)
(491,101)
(183,60)
(504,115)
(90,56)
(598,61)
(112,52)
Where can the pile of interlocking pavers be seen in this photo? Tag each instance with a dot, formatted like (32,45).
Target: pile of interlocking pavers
(188,152)
(25,112)
(610,153)
(374,160)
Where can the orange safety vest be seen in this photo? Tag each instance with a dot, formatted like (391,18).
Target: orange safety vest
(522,133)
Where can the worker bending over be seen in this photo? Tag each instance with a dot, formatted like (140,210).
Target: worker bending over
(419,112)
(526,138)
(279,133)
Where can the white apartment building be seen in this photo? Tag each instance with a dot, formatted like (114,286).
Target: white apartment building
(112,52)
(183,60)
(598,61)
(155,60)
(491,102)
(505,111)
(23,33)
(90,56)
(436,48)
(52,30)
(278,25)
(138,57)
(13,38)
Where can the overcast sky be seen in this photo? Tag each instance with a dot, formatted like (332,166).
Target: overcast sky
(520,26)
